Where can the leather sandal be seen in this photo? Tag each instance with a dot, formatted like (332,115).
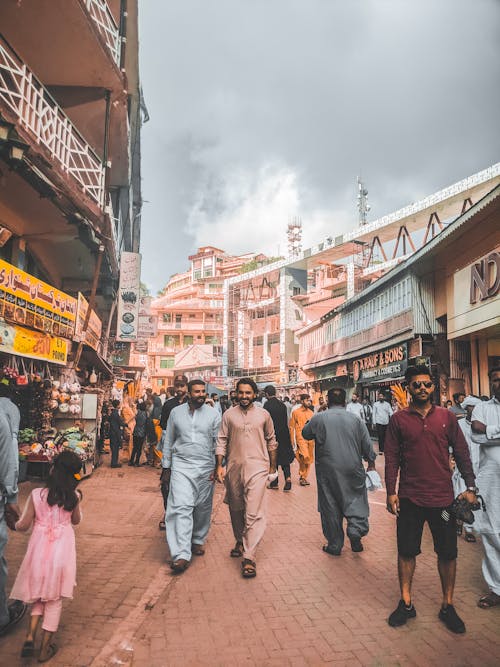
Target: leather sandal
(179,566)
(248,568)
(51,651)
(488,601)
(237,550)
(197,550)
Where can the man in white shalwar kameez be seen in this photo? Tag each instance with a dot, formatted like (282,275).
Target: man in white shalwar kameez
(188,463)
(459,485)
(486,432)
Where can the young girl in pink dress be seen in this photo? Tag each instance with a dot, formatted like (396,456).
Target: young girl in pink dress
(47,573)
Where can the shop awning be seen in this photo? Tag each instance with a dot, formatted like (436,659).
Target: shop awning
(91,357)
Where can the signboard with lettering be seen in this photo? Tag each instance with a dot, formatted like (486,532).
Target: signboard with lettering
(32,344)
(386,364)
(28,301)
(94,327)
(147,321)
(474,296)
(128,296)
(121,354)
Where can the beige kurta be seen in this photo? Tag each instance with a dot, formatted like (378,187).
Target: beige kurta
(245,438)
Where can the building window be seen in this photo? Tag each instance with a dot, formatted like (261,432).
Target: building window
(178,321)
(167,317)
(212,340)
(166,362)
(188,340)
(170,340)
(296,291)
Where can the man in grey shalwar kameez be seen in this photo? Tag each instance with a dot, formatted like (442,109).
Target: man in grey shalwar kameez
(188,463)
(342,442)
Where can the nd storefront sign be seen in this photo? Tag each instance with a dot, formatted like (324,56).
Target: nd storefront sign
(388,363)
(474,296)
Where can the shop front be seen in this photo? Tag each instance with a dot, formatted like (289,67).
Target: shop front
(58,407)
(474,316)
(380,370)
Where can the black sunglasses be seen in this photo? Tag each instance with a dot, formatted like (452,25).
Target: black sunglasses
(417,385)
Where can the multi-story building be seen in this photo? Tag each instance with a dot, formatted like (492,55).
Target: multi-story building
(441,305)
(267,310)
(190,317)
(70,116)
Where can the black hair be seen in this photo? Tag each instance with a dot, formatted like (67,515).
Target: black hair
(459,393)
(141,406)
(336,396)
(495,369)
(192,383)
(115,403)
(303,397)
(413,371)
(270,390)
(62,482)
(249,382)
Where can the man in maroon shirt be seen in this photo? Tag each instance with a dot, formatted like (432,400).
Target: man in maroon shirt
(417,446)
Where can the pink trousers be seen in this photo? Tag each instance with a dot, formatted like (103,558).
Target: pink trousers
(51,612)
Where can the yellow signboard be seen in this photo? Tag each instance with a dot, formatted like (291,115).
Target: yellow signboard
(32,344)
(28,301)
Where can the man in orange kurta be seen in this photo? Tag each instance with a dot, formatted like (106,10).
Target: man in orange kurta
(304,452)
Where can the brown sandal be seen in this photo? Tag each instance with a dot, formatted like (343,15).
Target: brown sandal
(248,568)
(489,601)
(197,550)
(179,566)
(51,651)
(237,550)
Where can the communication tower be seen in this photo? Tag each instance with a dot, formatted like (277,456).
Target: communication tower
(363,205)
(294,234)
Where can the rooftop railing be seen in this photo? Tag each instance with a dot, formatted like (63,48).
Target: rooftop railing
(39,113)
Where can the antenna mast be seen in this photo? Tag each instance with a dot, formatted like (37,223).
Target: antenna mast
(294,233)
(363,205)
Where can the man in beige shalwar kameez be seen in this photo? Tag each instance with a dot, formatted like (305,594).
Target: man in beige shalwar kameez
(247,441)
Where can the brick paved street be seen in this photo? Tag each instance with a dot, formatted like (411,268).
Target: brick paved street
(304,607)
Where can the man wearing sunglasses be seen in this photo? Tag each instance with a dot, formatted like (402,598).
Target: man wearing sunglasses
(418,442)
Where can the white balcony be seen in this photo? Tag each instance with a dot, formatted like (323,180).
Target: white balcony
(37,112)
(106,25)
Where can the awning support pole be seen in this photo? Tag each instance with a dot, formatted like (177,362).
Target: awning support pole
(93,291)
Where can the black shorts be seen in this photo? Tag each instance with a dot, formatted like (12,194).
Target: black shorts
(410,524)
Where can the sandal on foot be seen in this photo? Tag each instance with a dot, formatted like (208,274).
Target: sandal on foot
(248,568)
(329,550)
(237,550)
(489,601)
(51,651)
(28,649)
(179,566)
(197,550)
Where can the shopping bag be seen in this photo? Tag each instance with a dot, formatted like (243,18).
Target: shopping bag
(373,481)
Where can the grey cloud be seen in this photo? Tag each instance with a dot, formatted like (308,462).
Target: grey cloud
(403,92)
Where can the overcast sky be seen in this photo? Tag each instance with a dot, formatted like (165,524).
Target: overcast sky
(263,110)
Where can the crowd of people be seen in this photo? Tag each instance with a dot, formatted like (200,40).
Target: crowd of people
(436,459)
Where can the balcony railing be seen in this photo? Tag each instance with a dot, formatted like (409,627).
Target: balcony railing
(189,326)
(103,18)
(38,112)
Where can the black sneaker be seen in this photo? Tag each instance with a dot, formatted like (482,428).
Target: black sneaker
(451,619)
(401,614)
(274,484)
(288,486)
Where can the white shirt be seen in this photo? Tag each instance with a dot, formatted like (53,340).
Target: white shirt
(488,479)
(381,413)
(356,409)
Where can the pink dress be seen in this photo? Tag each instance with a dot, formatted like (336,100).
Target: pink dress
(48,570)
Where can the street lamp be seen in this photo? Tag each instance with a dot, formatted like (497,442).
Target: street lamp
(17,148)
